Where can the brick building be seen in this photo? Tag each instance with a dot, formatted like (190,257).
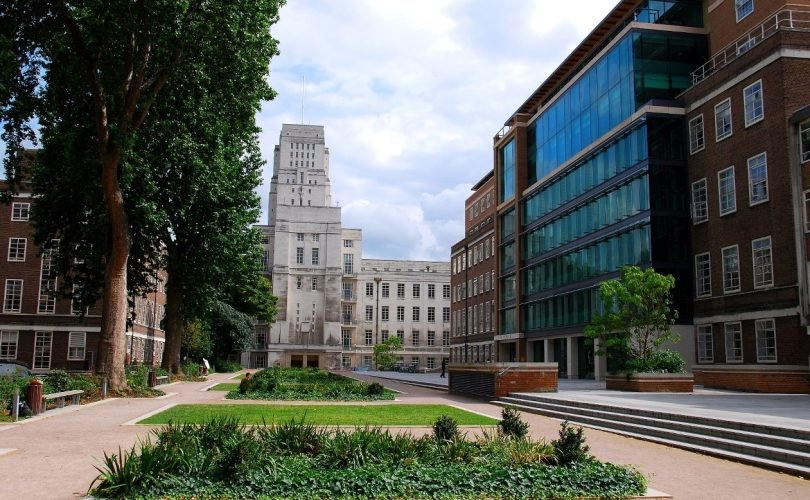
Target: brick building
(472,280)
(676,136)
(45,331)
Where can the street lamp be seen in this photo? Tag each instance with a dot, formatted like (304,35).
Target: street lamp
(377,280)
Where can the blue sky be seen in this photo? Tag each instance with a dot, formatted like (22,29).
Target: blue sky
(411,94)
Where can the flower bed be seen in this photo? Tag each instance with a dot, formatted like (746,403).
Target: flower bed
(307,384)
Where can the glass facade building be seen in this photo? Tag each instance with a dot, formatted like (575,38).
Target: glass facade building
(606,181)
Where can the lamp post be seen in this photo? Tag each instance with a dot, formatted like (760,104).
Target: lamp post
(377,280)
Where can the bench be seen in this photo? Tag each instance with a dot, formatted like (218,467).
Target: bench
(75,395)
(163,379)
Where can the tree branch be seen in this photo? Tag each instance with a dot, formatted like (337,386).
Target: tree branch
(137,74)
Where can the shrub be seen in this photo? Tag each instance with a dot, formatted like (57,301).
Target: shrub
(226,366)
(570,447)
(56,381)
(445,429)
(511,425)
(190,369)
(375,389)
(7,385)
(137,376)
(264,381)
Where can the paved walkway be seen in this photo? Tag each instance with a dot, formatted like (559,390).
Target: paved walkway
(53,458)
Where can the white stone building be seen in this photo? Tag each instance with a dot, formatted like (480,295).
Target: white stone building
(321,280)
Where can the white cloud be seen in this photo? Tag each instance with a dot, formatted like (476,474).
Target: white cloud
(411,94)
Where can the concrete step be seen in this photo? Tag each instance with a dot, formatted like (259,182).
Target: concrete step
(786,432)
(783,460)
(715,429)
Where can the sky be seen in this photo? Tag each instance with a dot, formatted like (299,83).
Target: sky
(411,93)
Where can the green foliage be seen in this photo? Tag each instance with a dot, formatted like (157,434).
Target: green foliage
(223,459)
(226,366)
(7,385)
(511,425)
(137,376)
(445,429)
(307,384)
(190,369)
(570,447)
(666,361)
(637,318)
(385,352)
(57,381)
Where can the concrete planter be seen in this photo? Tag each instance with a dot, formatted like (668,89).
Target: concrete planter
(495,380)
(650,382)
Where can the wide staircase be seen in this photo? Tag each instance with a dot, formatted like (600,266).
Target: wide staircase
(782,449)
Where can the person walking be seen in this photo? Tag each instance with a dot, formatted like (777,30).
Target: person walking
(444,367)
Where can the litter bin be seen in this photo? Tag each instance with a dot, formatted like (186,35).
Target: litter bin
(34,396)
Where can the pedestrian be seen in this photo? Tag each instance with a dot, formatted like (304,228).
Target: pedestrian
(444,367)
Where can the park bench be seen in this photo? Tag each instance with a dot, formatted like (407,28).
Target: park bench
(75,395)
(162,379)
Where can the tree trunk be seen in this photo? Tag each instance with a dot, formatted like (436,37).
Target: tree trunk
(112,342)
(174,320)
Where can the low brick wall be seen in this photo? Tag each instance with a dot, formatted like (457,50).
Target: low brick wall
(499,379)
(755,378)
(650,382)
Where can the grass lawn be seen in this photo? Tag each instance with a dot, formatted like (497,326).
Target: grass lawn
(225,387)
(382,415)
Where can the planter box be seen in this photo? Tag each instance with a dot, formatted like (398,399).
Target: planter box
(495,380)
(651,382)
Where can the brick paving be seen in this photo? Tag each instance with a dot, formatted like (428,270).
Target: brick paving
(54,457)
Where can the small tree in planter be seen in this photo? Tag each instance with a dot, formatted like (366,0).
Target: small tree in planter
(637,320)
(385,353)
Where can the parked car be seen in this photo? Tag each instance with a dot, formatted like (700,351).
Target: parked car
(14,368)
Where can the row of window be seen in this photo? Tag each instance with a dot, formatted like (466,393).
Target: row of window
(480,318)
(303,163)
(761,261)
(430,362)
(764,331)
(480,284)
(723,128)
(479,252)
(416,290)
(416,338)
(479,205)
(415,314)
(727,189)
(314,256)
(299,283)
(43,343)
(302,155)
(477,353)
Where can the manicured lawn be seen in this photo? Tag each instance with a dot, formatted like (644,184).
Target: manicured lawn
(225,387)
(382,415)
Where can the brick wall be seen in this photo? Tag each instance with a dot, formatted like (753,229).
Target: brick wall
(499,379)
(650,383)
(759,380)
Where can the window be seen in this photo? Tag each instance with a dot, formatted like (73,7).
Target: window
(348,291)
(807,211)
(369,289)
(697,138)
(722,120)
(298,282)
(758,179)
(384,335)
(386,290)
(8,344)
(431,314)
(348,311)
(445,338)
(369,337)
(16,249)
(763,264)
(348,263)
(743,8)
(445,314)
(346,337)
(752,103)
(401,336)
(416,290)
(415,338)
(42,350)
(700,201)
(415,361)
(445,291)
(314,283)
(47,281)
(384,313)
(705,344)
(766,340)
(804,141)
(703,275)
(734,353)
(731,269)
(76,341)
(431,363)
(315,256)
(13,296)
(415,314)
(300,236)
(431,291)
(367,362)
(20,211)
(400,313)
(401,290)
(299,255)
(369,313)
(726,188)
(316,237)
(431,339)
(348,243)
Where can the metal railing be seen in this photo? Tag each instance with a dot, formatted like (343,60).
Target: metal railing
(784,20)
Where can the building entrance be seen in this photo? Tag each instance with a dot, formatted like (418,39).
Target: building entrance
(586,359)
(561,357)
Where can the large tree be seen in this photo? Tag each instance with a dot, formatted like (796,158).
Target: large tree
(92,71)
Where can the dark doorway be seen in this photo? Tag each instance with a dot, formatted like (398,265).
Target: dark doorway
(585,358)
(297,361)
(561,357)
(512,351)
(312,361)
(538,351)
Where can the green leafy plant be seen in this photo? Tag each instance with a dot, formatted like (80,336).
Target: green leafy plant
(375,389)
(226,366)
(445,429)
(637,320)
(570,447)
(385,353)
(511,425)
